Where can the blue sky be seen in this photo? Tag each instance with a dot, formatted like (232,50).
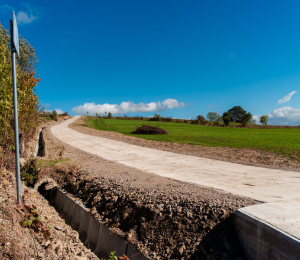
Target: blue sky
(176,58)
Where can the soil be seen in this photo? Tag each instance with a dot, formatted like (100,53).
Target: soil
(242,156)
(163,218)
(149,130)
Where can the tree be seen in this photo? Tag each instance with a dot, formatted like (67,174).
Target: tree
(237,114)
(264,119)
(213,116)
(109,115)
(28,102)
(226,118)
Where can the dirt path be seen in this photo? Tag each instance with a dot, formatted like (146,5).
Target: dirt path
(262,184)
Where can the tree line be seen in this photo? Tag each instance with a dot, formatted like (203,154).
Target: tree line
(236,114)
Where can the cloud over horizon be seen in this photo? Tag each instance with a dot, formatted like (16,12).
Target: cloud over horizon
(282,116)
(286,98)
(128,107)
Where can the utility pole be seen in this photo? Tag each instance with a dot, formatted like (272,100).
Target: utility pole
(15,50)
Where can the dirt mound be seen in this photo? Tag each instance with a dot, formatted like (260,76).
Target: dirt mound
(149,130)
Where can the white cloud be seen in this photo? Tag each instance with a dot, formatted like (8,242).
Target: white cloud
(59,111)
(285,116)
(28,16)
(6,8)
(286,98)
(256,118)
(282,116)
(128,107)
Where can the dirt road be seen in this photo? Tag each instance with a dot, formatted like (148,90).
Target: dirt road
(268,185)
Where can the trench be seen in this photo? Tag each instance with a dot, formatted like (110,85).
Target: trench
(40,147)
(93,234)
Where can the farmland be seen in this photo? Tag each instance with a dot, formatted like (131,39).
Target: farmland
(279,140)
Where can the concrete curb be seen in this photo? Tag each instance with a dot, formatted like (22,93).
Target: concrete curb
(262,240)
(95,235)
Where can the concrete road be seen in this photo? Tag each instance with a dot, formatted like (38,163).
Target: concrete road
(262,184)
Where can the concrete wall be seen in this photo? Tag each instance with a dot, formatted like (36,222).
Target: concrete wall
(261,240)
(92,233)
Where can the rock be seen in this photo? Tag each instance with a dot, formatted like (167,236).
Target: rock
(58,227)
(160,206)
(81,258)
(181,250)
(22,161)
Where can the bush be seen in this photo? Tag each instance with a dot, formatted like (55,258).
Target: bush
(30,172)
(166,119)
(53,115)
(195,122)
(216,123)
(226,118)
(109,115)
(149,130)
(185,121)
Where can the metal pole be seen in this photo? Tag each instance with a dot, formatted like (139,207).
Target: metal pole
(13,61)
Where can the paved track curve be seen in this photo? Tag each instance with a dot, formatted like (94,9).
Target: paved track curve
(263,184)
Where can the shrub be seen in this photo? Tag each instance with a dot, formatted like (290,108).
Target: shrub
(53,115)
(30,172)
(226,120)
(166,119)
(195,122)
(109,115)
(216,123)
(202,120)
(185,121)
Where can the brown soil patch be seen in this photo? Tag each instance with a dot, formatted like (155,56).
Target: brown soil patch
(242,156)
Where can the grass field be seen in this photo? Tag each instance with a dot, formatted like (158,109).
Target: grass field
(281,141)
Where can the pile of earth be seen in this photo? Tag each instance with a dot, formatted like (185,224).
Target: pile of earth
(149,130)
(163,226)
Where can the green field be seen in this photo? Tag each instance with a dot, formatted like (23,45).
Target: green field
(281,141)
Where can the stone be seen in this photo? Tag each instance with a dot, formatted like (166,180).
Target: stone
(58,227)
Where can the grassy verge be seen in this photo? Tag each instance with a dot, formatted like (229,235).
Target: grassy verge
(279,140)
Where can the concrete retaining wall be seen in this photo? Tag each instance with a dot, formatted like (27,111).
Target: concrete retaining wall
(263,239)
(92,233)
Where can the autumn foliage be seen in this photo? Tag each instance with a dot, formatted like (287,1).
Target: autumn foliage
(28,102)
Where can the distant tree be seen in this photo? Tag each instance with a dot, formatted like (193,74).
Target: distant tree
(213,116)
(87,112)
(239,115)
(96,114)
(109,115)
(264,119)
(226,118)
(201,119)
